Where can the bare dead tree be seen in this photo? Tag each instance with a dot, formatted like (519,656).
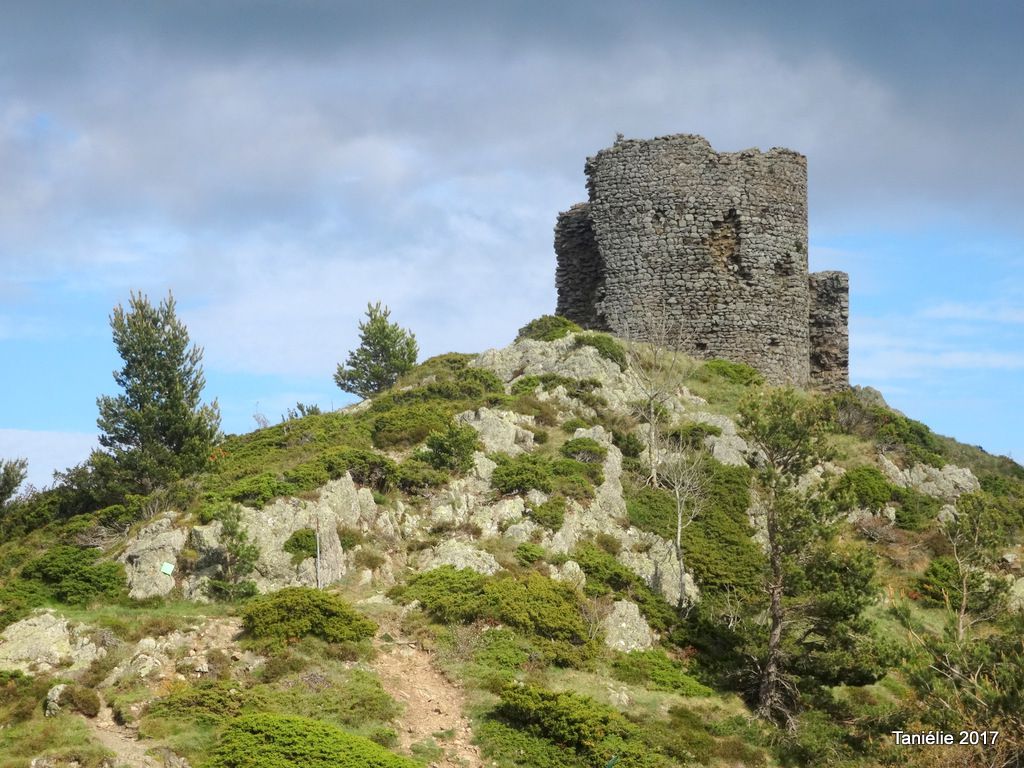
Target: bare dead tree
(653,338)
(685,475)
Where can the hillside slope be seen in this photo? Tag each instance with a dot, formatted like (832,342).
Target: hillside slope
(491,525)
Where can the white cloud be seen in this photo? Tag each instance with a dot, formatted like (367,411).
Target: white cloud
(45,451)
(994,312)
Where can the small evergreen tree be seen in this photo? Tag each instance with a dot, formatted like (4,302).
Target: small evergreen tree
(238,559)
(157,430)
(386,351)
(816,589)
(12,474)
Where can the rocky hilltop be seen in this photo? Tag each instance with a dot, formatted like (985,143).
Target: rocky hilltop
(496,549)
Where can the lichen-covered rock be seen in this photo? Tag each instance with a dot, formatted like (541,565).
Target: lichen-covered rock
(948,483)
(158,543)
(46,642)
(728,447)
(657,565)
(483,467)
(1015,599)
(52,706)
(460,554)
(625,628)
(569,572)
(339,504)
(500,431)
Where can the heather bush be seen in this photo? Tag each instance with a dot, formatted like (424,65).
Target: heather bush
(547,328)
(297,612)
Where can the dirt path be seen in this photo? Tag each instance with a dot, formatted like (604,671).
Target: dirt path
(433,705)
(128,751)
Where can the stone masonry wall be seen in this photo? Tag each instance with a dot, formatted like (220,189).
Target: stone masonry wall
(830,339)
(580,273)
(714,242)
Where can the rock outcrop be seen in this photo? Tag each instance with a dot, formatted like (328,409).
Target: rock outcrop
(47,642)
(625,628)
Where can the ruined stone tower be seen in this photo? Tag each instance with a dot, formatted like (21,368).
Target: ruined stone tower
(716,243)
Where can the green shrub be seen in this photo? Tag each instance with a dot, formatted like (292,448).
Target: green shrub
(627,442)
(540,436)
(607,346)
(306,477)
(575,479)
(550,612)
(606,575)
(550,514)
(516,747)
(528,553)
(503,649)
(718,546)
(349,537)
(301,545)
(73,575)
(415,474)
(585,449)
(692,434)
(725,370)
(453,449)
(366,467)
(448,594)
(300,611)
(406,425)
(608,543)
(654,669)
(570,426)
(547,328)
(915,510)
(18,598)
(288,741)
(525,472)
(598,735)
(81,699)
(209,702)
(865,487)
(257,490)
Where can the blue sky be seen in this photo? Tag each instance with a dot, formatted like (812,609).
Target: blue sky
(278,165)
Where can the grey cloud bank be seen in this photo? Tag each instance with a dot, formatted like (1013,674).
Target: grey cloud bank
(279,165)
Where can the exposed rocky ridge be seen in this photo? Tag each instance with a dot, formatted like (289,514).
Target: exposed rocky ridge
(467,508)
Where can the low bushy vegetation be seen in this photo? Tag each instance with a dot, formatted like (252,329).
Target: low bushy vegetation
(727,371)
(550,514)
(547,328)
(550,613)
(654,669)
(531,471)
(453,449)
(75,575)
(289,741)
(300,611)
(607,347)
(718,546)
(301,545)
(538,727)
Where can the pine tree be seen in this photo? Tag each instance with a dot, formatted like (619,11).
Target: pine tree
(12,475)
(158,429)
(386,351)
(816,588)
